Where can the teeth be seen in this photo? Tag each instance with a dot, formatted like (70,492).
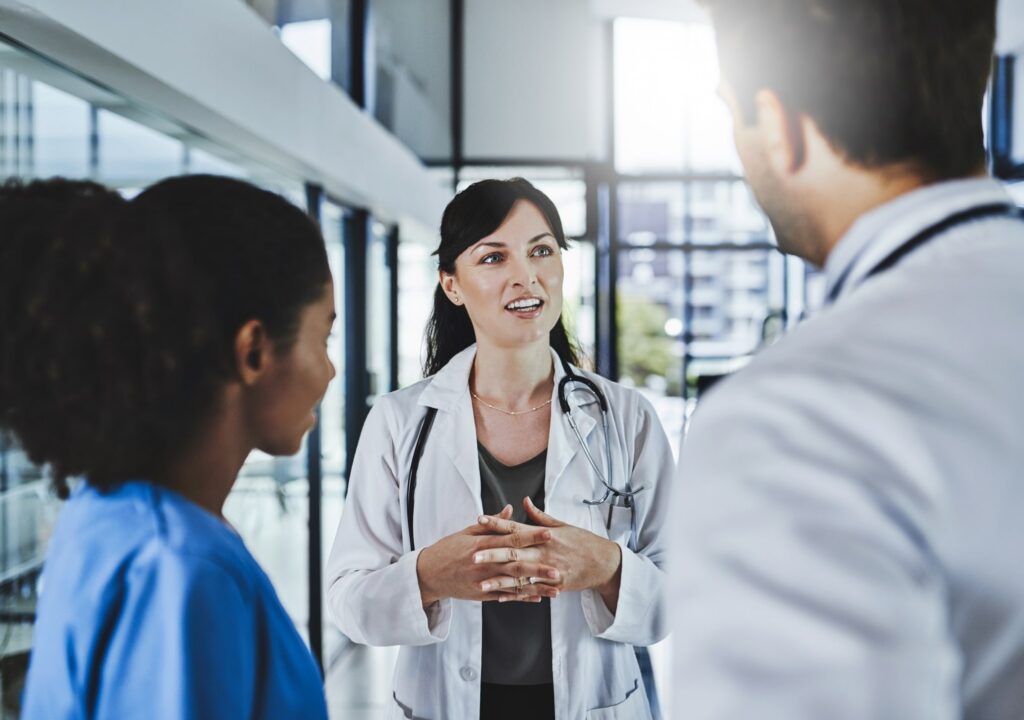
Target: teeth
(523,304)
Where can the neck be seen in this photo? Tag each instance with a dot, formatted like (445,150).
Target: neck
(205,471)
(859,192)
(514,378)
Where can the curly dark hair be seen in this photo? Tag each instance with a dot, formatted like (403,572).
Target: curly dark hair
(472,215)
(118,318)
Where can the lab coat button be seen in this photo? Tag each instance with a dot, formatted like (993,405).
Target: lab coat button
(468,674)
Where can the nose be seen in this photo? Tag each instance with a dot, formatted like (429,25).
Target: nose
(524,273)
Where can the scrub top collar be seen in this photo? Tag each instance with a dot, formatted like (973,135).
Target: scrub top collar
(881,230)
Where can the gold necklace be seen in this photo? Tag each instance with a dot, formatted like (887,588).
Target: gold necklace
(511,412)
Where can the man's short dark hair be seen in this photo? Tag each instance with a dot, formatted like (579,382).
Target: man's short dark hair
(887,81)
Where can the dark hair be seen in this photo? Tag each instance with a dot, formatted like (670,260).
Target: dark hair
(886,82)
(473,214)
(118,318)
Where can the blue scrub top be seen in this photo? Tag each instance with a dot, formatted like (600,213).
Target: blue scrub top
(152,607)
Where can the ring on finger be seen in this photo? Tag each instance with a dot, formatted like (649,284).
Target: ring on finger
(533,580)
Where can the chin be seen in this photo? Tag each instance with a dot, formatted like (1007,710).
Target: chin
(284,447)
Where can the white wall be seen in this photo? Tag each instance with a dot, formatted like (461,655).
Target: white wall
(217,67)
(528,75)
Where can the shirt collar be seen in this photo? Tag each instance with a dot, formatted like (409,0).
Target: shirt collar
(451,383)
(881,230)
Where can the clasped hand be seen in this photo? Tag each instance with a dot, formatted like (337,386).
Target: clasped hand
(499,559)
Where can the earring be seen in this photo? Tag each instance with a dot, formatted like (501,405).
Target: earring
(456,300)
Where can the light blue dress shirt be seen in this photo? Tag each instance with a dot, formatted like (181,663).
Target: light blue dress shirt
(151,607)
(848,537)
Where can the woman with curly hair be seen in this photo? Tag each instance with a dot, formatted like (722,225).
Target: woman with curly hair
(147,346)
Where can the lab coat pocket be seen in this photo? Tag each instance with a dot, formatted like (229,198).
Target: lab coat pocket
(618,526)
(399,711)
(634,707)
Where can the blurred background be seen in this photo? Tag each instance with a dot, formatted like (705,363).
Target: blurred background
(369,114)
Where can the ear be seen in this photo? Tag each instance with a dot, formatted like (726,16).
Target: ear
(782,133)
(450,286)
(252,352)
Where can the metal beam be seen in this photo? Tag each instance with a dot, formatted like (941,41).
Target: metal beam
(391,258)
(458,20)
(357,375)
(314,476)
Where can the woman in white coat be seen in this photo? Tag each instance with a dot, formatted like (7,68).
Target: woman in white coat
(509,594)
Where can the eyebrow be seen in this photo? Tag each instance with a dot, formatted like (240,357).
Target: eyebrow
(536,238)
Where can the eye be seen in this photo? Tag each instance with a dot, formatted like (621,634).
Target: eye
(542,251)
(491,258)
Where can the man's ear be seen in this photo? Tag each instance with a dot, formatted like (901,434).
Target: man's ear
(252,351)
(782,133)
(449,287)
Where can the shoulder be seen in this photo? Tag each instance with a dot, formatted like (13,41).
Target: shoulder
(396,411)
(619,396)
(813,390)
(138,540)
(192,544)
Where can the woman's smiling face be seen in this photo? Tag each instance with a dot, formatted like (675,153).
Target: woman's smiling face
(511,280)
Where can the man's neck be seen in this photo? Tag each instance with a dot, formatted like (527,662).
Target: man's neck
(857,194)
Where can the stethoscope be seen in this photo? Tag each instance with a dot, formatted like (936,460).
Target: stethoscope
(569,384)
(929,233)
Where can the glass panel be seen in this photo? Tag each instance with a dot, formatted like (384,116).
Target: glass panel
(411,88)
(132,155)
(417,278)
(668,117)
(332,416)
(580,297)
(729,301)
(650,331)
(332,410)
(565,187)
(651,212)
(725,212)
(60,139)
(649,110)
(378,310)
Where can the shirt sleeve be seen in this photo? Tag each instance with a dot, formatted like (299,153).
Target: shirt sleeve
(639,617)
(804,583)
(184,644)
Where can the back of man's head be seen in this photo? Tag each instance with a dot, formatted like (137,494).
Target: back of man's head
(887,81)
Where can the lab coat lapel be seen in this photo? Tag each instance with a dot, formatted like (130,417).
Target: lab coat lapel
(562,442)
(454,426)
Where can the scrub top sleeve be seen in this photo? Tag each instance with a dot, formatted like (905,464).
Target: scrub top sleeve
(639,618)
(797,564)
(184,645)
(373,588)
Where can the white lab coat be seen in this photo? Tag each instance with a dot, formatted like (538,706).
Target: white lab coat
(847,537)
(373,591)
